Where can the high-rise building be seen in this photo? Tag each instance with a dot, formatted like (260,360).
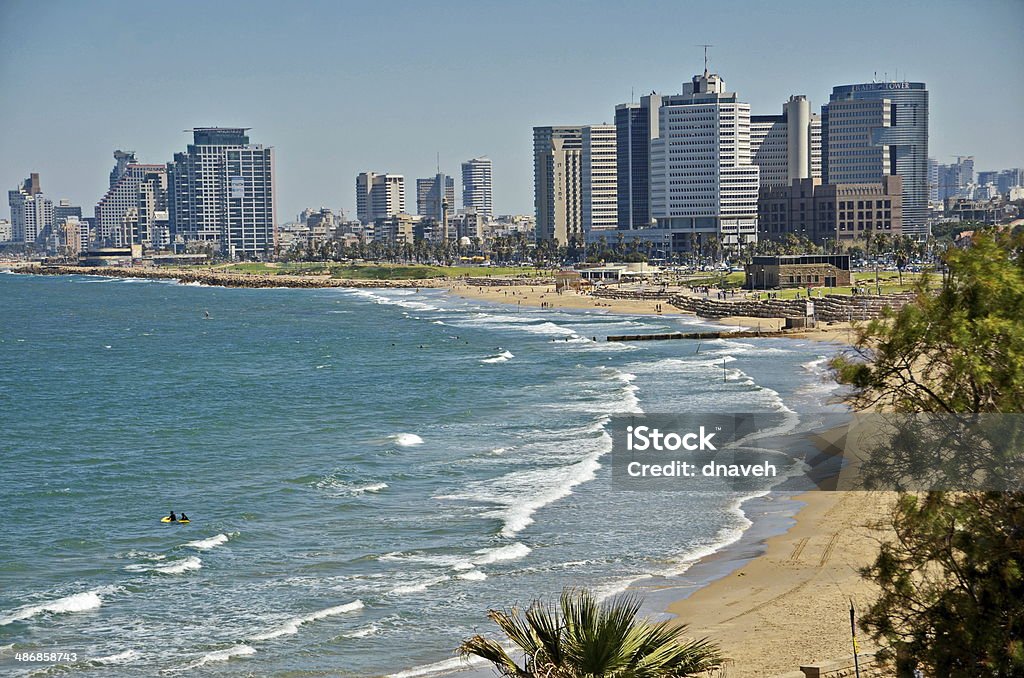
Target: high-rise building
(31,211)
(598,177)
(121,161)
(634,123)
(379,196)
(222,193)
(872,130)
(134,198)
(954,180)
(703,181)
(786,147)
(476,186)
(557,185)
(432,199)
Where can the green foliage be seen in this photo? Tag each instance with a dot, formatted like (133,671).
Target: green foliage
(952,580)
(583,638)
(952,585)
(959,351)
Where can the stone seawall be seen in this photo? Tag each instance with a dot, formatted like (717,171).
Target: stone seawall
(507,282)
(226,279)
(829,308)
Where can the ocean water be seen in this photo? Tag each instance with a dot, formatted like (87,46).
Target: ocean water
(367,472)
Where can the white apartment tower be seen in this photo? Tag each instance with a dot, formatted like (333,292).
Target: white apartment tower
(476,186)
(222,193)
(139,192)
(31,211)
(379,196)
(703,180)
(787,147)
(599,189)
(557,183)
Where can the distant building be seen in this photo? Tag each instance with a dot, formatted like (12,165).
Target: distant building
(31,212)
(598,177)
(434,195)
(379,196)
(398,229)
(786,147)
(477,188)
(831,212)
(222,194)
(633,125)
(121,161)
(702,179)
(804,270)
(872,130)
(954,180)
(6,233)
(126,214)
(557,168)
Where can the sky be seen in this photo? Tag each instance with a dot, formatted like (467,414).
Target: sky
(340,87)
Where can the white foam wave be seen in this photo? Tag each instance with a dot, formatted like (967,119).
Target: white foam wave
(209,543)
(176,567)
(370,630)
(78,602)
(502,357)
(472,575)
(224,655)
(405,439)
(445,666)
(419,586)
(119,658)
(291,627)
(510,552)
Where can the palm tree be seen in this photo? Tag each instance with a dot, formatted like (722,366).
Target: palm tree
(583,638)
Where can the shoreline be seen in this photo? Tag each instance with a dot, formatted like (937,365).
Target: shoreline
(775,618)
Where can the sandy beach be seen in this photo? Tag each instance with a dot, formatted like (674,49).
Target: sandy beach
(789,606)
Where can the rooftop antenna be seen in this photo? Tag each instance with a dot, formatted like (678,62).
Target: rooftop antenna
(705,58)
(439,162)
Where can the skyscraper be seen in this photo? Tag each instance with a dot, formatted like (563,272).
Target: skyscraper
(786,147)
(599,194)
(430,197)
(557,185)
(222,193)
(871,130)
(476,186)
(379,196)
(126,203)
(31,211)
(703,182)
(633,125)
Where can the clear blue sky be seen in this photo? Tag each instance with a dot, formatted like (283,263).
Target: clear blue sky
(341,87)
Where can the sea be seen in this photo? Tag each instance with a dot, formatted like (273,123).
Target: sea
(366,471)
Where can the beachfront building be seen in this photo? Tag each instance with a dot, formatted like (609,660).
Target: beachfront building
(434,196)
(703,182)
(379,196)
(872,130)
(121,161)
(222,194)
(831,213)
(801,270)
(598,178)
(31,211)
(786,147)
(127,213)
(557,185)
(477,189)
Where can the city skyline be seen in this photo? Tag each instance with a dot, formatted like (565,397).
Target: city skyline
(329,118)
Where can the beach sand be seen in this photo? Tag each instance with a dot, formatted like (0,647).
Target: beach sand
(789,606)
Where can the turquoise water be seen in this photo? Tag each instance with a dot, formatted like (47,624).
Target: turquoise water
(367,472)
